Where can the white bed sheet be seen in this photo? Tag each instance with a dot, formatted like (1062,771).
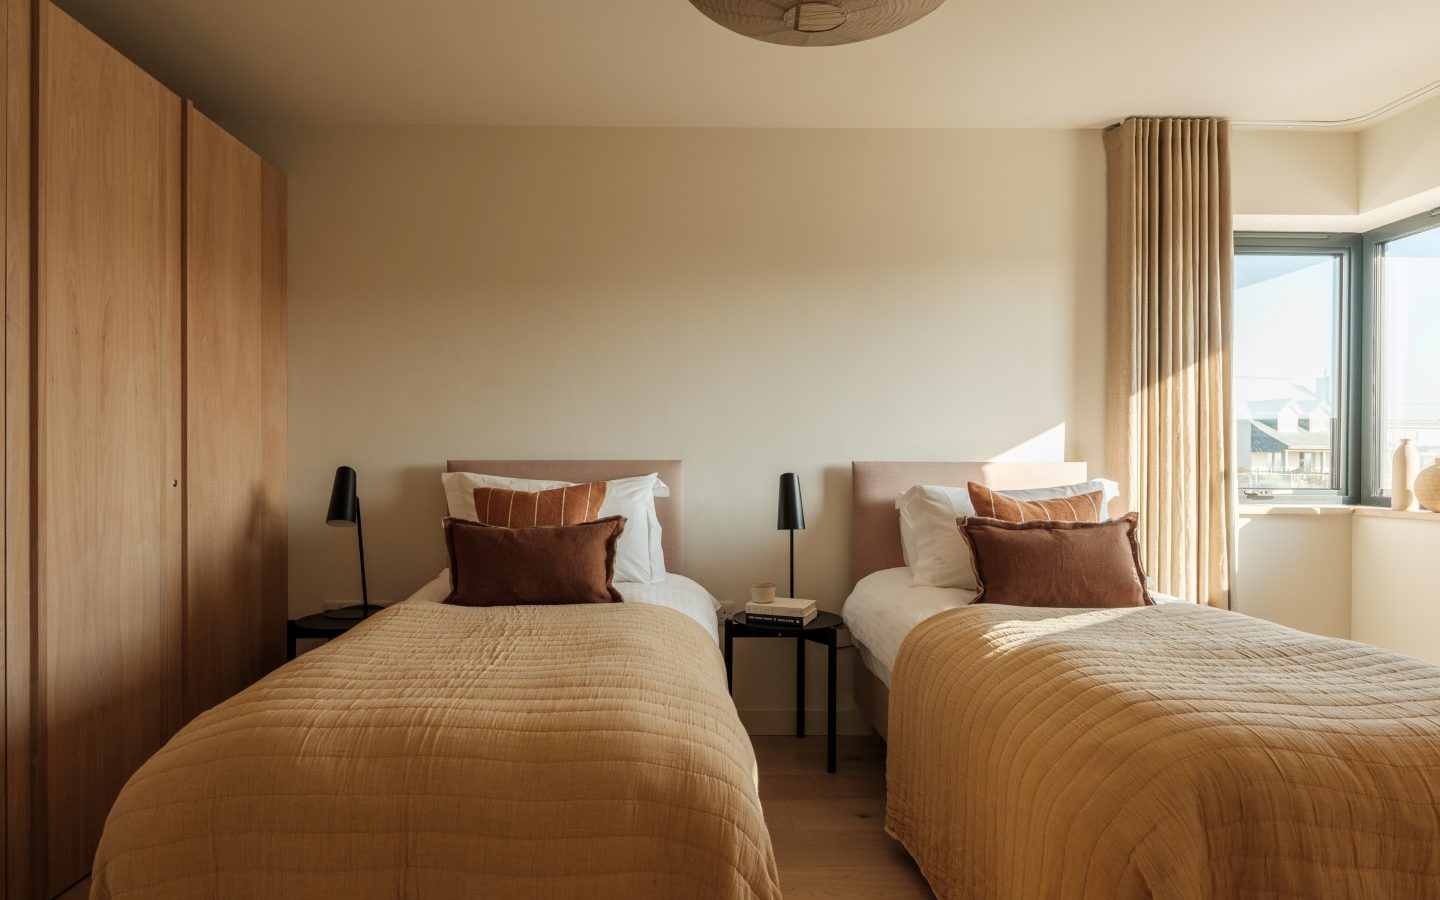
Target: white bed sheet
(676,592)
(887,605)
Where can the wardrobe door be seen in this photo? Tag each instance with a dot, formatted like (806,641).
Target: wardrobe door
(226,504)
(108,431)
(15,547)
(274,369)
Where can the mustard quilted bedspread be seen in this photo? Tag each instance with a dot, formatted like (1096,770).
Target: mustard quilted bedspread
(1167,752)
(442,752)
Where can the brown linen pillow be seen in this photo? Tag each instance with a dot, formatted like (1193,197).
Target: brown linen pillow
(996,505)
(569,505)
(1065,565)
(542,566)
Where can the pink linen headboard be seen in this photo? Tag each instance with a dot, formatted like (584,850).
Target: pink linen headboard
(667,509)
(875,486)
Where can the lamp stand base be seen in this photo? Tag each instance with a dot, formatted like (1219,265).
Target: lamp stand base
(350,612)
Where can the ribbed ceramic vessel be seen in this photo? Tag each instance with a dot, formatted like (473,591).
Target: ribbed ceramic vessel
(1427,486)
(815,24)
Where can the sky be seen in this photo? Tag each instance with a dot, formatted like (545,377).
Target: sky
(1409,272)
(1285,324)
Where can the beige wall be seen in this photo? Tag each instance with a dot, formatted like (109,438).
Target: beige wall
(750,301)
(1297,173)
(1367,576)
(1400,157)
(1295,570)
(1394,590)
(1338,180)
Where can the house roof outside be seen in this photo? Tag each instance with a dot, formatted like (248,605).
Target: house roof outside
(1264,439)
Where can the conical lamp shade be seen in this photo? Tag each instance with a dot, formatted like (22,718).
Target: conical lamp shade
(805,23)
(343,506)
(792,508)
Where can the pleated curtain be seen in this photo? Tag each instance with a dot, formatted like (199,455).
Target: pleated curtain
(1170,434)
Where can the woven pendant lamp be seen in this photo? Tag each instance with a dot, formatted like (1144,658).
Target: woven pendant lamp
(811,23)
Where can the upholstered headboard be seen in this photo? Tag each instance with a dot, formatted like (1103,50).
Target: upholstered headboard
(874,487)
(667,509)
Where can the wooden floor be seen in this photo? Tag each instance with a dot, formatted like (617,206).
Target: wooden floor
(829,830)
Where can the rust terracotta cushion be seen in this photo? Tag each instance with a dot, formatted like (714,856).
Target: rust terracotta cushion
(540,566)
(569,505)
(996,505)
(1062,565)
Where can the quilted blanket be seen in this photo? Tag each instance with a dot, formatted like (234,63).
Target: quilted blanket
(445,752)
(1167,752)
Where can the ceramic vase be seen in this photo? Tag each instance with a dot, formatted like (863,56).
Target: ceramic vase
(1404,469)
(1427,487)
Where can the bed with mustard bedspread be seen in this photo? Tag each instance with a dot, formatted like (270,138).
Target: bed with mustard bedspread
(445,752)
(1165,752)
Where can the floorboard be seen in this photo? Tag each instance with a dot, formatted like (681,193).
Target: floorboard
(829,830)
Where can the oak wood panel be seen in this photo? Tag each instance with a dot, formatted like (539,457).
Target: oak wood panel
(19,849)
(275,354)
(108,452)
(4,506)
(226,498)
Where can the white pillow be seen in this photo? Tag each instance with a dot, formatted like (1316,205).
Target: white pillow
(639,556)
(934,549)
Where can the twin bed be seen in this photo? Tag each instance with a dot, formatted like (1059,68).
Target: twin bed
(1158,751)
(441,751)
(593,751)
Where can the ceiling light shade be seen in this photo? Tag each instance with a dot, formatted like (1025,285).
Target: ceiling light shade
(813,23)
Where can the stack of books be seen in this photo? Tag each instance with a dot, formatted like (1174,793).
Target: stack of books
(783,611)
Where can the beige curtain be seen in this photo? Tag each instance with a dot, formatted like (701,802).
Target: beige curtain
(1170,430)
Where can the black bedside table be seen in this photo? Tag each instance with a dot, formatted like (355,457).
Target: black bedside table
(822,629)
(317,627)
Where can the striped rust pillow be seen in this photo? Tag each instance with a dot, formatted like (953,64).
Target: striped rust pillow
(569,505)
(995,505)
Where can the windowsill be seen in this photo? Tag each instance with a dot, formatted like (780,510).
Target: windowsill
(1252,511)
(1381,512)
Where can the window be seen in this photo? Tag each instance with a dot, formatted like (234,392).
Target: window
(1292,299)
(1335,359)
(1407,304)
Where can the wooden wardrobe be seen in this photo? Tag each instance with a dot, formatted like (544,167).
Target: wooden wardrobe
(144,415)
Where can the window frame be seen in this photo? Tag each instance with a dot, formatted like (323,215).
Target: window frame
(1375,490)
(1350,360)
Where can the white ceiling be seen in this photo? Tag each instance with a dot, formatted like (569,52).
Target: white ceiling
(971,64)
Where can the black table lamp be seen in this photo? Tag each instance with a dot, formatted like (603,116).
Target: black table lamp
(345,513)
(792,516)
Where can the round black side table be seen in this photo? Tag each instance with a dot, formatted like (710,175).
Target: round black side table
(316,627)
(823,630)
